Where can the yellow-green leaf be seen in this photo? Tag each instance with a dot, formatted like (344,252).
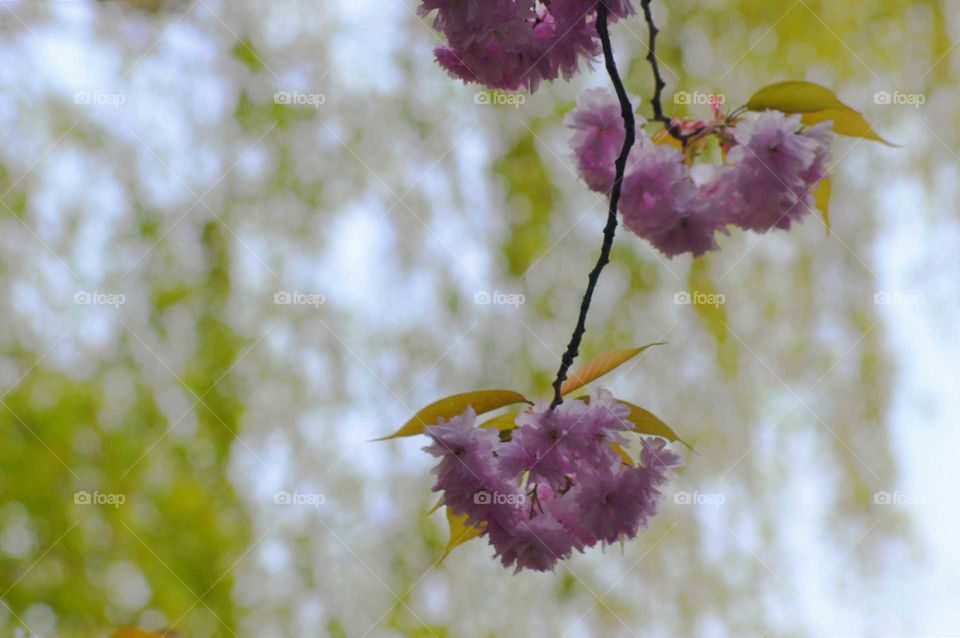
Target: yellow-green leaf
(822,197)
(646,422)
(503,422)
(481,400)
(664,138)
(707,300)
(847,122)
(596,368)
(138,633)
(709,305)
(816,104)
(623,454)
(460,532)
(794,97)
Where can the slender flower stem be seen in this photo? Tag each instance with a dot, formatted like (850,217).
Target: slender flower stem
(658,83)
(609,231)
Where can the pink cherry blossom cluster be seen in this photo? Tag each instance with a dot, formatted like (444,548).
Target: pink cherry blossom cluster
(509,44)
(557,486)
(766,182)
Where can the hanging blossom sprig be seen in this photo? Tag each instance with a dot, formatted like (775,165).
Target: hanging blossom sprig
(553,478)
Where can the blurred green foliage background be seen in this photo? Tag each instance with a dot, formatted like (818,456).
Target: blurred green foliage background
(144,154)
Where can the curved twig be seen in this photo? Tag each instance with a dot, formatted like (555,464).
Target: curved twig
(658,83)
(609,231)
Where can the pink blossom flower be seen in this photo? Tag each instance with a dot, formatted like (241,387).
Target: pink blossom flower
(657,457)
(615,505)
(466,467)
(606,421)
(577,492)
(511,44)
(552,438)
(566,511)
(536,543)
(662,204)
(566,35)
(600,503)
(599,137)
(487,42)
(776,165)
(458,442)
(516,456)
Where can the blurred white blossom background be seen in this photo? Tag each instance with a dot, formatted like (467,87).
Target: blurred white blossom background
(216,297)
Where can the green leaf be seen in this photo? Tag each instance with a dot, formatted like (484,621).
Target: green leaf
(794,97)
(623,454)
(599,366)
(503,422)
(646,422)
(847,122)
(707,301)
(481,400)
(816,104)
(663,138)
(709,305)
(822,198)
(245,52)
(460,532)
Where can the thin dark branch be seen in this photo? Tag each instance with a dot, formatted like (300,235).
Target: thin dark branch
(609,231)
(658,83)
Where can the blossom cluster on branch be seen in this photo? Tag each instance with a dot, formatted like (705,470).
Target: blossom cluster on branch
(513,44)
(773,165)
(557,486)
(556,477)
